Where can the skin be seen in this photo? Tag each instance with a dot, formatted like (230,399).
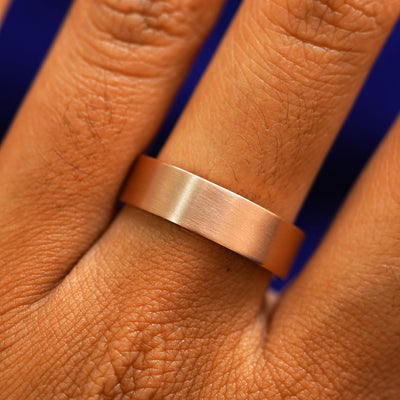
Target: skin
(96,304)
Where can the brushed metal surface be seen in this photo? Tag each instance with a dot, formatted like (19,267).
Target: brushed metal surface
(214,213)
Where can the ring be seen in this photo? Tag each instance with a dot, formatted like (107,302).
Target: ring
(213,212)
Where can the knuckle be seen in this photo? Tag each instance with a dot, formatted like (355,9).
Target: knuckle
(328,24)
(325,357)
(142,359)
(153,359)
(302,374)
(126,36)
(165,340)
(146,22)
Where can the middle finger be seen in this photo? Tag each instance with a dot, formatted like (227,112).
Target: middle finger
(266,114)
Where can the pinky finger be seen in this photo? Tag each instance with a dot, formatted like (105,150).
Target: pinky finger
(344,309)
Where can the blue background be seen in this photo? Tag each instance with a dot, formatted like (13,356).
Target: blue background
(30,28)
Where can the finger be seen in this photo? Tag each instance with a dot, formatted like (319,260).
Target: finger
(343,310)
(291,73)
(270,72)
(4,4)
(254,132)
(97,102)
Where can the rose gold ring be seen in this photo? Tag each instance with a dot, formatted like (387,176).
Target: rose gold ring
(214,213)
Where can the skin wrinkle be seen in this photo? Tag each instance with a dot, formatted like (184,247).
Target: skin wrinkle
(57,175)
(319,365)
(90,122)
(334,14)
(168,302)
(302,132)
(307,132)
(336,330)
(164,34)
(291,70)
(140,60)
(258,147)
(254,73)
(121,383)
(55,361)
(99,383)
(350,349)
(54,335)
(73,138)
(275,29)
(70,132)
(292,380)
(133,341)
(154,24)
(97,102)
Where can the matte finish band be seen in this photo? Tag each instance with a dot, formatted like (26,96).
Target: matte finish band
(214,213)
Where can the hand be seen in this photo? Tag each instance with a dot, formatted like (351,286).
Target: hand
(96,304)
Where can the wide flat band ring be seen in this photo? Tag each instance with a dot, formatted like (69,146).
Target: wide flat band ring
(214,213)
